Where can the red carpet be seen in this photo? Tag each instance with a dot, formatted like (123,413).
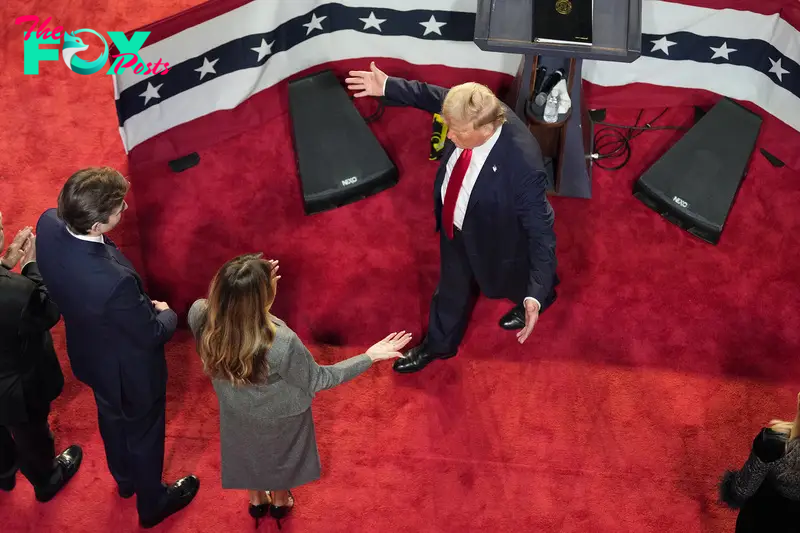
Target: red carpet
(649,376)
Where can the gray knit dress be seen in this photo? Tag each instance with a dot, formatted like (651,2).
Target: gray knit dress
(266,430)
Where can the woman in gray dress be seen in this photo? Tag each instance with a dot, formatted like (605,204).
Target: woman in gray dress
(265,379)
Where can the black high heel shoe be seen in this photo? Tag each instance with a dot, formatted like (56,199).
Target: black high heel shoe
(259,511)
(282,511)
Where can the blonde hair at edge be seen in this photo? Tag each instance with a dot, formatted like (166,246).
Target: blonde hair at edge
(473,103)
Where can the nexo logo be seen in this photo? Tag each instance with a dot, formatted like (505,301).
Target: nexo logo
(680,201)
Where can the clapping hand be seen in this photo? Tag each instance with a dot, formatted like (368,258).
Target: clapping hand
(18,248)
(367,83)
(389,348)
(789,429)
(29,250)
(781,426)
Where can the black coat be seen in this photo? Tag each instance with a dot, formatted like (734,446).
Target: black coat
(30,374)
(115,336)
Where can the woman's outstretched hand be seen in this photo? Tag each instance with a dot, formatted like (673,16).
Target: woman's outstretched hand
(389,348)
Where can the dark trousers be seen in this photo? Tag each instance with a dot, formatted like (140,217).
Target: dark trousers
(30,447)
(453,299)
(135,452)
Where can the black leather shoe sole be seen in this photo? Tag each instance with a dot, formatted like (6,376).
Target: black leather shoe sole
(179,495)
(69,461)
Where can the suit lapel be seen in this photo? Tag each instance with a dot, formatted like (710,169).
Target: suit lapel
(447,153)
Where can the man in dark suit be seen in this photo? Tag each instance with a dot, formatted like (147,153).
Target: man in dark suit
(491,207)
(115,336)
(30,375)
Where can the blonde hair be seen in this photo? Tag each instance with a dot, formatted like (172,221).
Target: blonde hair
(475,104)
(238,331)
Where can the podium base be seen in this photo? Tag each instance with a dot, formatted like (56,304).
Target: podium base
(567,142)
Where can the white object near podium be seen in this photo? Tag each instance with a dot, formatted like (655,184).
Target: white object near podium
(507,26)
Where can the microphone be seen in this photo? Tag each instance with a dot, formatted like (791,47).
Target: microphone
(547,86)
(541,72)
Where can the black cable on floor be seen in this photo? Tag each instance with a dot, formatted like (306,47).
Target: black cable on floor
(614,141)
(377,114)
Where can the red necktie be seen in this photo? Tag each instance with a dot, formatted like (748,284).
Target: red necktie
(453,188)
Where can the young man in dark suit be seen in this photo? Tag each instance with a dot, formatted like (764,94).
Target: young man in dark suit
(30,375)
(491,207)
(115,336)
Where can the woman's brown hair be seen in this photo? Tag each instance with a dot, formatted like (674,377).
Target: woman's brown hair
(238,331)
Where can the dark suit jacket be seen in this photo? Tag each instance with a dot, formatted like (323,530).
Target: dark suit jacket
(30,375)
(508,229)
(115,337)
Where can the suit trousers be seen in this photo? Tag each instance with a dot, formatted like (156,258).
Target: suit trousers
(30,447)
(454,297)
(135,452)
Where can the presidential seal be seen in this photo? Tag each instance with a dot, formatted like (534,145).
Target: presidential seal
(563,6)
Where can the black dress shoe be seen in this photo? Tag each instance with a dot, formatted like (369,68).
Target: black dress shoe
(125,492)
(69,461)
(8,482)
(179,495)
(417,358)
(514,319)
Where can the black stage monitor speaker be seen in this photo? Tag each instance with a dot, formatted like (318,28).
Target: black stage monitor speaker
(694,184)
(339,159)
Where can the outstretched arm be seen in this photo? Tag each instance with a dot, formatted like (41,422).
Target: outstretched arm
(416,94)
(375,82)
(299,368)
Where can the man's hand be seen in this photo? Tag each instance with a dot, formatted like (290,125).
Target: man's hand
(160,306)
(531,316)
(16,250)
(29,250)
(369,83)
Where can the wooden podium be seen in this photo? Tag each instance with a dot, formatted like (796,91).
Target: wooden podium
(507,26)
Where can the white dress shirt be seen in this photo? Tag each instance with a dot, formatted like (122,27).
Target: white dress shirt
(479,156)
(90,238)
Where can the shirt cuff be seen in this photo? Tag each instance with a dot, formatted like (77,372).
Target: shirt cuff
(383,93)
(538,304)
